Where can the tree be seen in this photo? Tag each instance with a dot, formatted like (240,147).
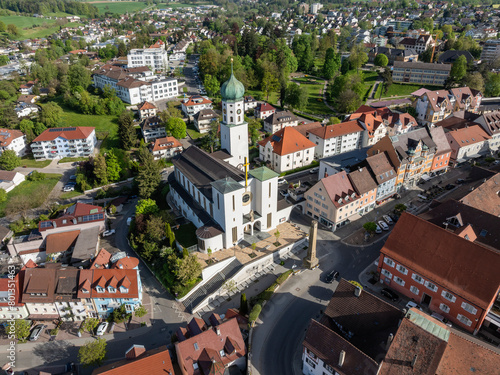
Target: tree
(12,29)
(387,77)
(21,328)
(176,127)
(4,60)
(459,69)
(113,167)
(492,85)
(426,55)
(170,234)
(188,269)
(269,83)
(18,205)
(140,311)
(348,101)
(126,130)
(296,96)
(155,228)
(100,169)
(277,234)
(3,27)
(370,227)
(332,63)
(89,325)
(149,177)
(51,114)
(92,353)
(120,314)
(211,142)
(146,207)
(211,84)
(474,81)
(358,56)
(78,75)
(27,127)
(3,195)
(381,60)
(333,121)
(400,207)
(9,160)
(243,304)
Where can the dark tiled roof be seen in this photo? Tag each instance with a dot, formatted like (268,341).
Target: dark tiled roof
(421,65)
(362,181)
(486,196)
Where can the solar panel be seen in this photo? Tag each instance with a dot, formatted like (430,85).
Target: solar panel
(61,129)
(276,138)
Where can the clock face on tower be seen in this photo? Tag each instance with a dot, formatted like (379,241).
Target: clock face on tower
(238,111)
(246,198)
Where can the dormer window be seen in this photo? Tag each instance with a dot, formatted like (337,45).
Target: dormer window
(84,290)
(99,289)
(222,353)
(353,195)
(340,200)
(123,289)
(111,289)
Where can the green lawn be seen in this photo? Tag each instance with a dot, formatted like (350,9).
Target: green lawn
(34,192)
(182,5)
(29,162)
(119,7)
(315,103)
(70,194)
(185,235)
(404,89)
(71,160)
(44,27)
(102,124)
(259,95)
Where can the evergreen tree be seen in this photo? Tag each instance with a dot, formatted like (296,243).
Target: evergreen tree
(243,304)
(113,168)
(100,170)
(9,160)
(332,63)
(126,130)
(149,176)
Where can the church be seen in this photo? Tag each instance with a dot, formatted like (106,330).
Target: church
(217,192)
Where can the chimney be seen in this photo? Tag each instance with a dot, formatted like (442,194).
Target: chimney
(389,341)
(413,361)
(217,329)
(341,358)
(357,291)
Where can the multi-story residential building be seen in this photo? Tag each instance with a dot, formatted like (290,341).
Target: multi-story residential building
(419,44)
(110,288)
(212,350)
(491,50)
(14,140)
(315,7)
(249,103)
(286,149)
(78,216)
(11,306)
(203,119)
(468,143)
(485,196)
(420,73)
(64,142)
(263,110)
(279,120)
(153,128)
(333,201)
(194,104)
(384,174)
(336,139)
(490,122)
(165,148)
(450,275)
(26,109)
(441,160)
(411,154)
(366,187)
(146,110)
(156,58)
(434,106)
(393,54)
(135,85)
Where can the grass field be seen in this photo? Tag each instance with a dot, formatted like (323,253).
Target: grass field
(34,192)
(29,162)
(404,89)
(45,27)
(101,123)
(119,7)
(259,95)
(181,5)
(72,160)
(315,103)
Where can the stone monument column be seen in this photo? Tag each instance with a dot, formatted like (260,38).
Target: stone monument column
(310,261)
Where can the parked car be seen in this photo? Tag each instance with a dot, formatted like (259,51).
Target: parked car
(441,319)
(389,294)
(281,180)
(378,230)
(449,187)
(101,328)
(72,177)
(394,217)
(284,193)
(388,219)
(383,225)
(108,232)
(68,188)
(129,221)
(36,332)
(314,170)
(71,183)
(412,304)
(460,181)
(331,276)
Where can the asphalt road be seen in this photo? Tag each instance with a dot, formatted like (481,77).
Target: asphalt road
(277,340)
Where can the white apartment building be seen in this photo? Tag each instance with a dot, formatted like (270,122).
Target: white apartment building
(64,142)
(155,58)
(491,50)
(135,85)
(316,7)
(336,139)
(194,104)
(13,140)
(286,149)
(166,148)
(279,120)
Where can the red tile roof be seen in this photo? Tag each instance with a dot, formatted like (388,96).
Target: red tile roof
(79,132)
(6,285)
(166,143)
(196,100)
(127,263)
(101,260)
(146,105)
(339,186)
(204,349)
(485,197)
(264,107)
(105,277)
(336,130)
(8,135)
(155,361)
(61,242)
(467,136)
(463,267)
(287,141)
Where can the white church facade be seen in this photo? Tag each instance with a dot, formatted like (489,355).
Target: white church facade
(217,192)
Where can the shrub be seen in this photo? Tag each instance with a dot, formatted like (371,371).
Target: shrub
(140,311)
(36,176)
(282,278)
(254,314)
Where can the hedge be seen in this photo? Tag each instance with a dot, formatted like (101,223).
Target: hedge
(314,164)
(282,278)
(254,314)
(309,117)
